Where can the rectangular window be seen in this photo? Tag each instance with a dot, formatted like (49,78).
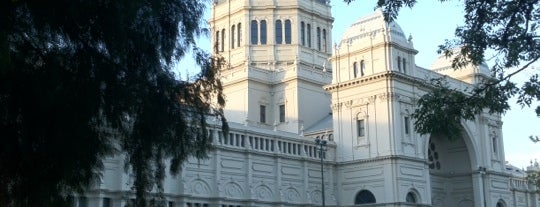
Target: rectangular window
(282,113)
(171,204)
(262,111)
(407,124)
(106,202)
(361,127)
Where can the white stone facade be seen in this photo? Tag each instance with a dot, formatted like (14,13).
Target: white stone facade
(285,85)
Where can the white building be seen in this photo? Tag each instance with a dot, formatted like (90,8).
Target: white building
(286,84)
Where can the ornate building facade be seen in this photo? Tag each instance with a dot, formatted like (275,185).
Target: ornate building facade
(286,85)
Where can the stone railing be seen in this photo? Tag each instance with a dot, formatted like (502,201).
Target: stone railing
(521,184)
(293,147)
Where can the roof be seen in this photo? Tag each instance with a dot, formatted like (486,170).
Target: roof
(325,124)
(374,29)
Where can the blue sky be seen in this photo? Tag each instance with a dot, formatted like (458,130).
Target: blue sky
(430,23)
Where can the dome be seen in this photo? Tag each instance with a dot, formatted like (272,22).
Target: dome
(375,28)
(445,63)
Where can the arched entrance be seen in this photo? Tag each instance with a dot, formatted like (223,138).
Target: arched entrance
(450,171)
(364,197)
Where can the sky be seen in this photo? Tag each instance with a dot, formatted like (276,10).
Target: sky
(430,23)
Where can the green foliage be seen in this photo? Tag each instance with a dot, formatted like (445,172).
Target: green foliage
(441,111)
(82,80)
(534,139)
(534,177)
(511,29)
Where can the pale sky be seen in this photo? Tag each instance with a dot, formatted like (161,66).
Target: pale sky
(430,23)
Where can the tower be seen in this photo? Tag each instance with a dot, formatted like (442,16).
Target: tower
(276,53)
(370,116)
(372,101)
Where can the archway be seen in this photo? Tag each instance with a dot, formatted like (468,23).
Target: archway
(364,197)
(450,167)
(411,197)
(501,203)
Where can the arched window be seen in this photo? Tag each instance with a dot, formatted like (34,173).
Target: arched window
(501,203)
(404,65)
(216,45)
(254,31)
(303,33)
(287,31)
(222,40)
(263,32)
(233,30)
(411,198)
(324,40)
(319,38)
(363,197)
(239,34)
(355,69)
(399,63)
(308,35)
(279,32)
(362,67)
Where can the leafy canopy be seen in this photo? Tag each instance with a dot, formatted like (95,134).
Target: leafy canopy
(511,29)
(83,80)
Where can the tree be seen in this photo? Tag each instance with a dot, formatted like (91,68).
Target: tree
(511,29)
(82,80)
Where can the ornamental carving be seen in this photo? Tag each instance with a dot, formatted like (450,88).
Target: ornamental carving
(492,122)
(316,196)
(264,193)
(292,195)
(233,190)
(200,187)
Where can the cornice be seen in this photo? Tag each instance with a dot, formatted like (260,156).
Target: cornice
(377,77)
(382,158)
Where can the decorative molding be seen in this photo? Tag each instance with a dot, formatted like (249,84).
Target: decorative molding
(389,96)
(337,106)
